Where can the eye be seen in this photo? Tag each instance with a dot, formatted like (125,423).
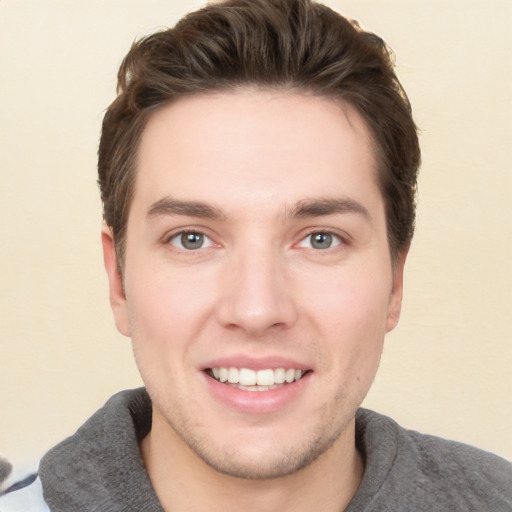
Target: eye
(320,240)
(190,240)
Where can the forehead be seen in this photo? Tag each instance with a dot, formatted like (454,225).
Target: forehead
(254,145)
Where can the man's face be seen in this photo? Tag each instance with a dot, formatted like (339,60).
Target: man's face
(256,251)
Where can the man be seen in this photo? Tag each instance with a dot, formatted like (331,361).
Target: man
(258,174)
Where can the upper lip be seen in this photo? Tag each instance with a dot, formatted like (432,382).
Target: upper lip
(256,363)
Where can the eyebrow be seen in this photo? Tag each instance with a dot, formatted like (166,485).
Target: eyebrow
(313,207)
(318,207)
(169,206)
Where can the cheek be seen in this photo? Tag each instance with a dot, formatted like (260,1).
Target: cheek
(160,333)
(167,311)
(352,315)
(353,302)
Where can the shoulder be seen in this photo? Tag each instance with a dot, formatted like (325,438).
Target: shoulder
(433,471)
(28,498)
(460,474)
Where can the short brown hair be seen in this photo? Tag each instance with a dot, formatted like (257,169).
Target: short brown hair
(291,44)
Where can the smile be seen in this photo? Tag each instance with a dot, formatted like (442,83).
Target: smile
(256,380)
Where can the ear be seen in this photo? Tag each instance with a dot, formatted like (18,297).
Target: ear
(395,299)
(115,282)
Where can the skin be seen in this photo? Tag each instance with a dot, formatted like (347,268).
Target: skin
(268,169)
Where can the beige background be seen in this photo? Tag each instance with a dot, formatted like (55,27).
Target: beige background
(447,368)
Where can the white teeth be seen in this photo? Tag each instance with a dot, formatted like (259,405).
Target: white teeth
(255,388)
(248,388)
(265,377)
(261,380)
(280,375)
(233,375)
(247,377)
(290,376)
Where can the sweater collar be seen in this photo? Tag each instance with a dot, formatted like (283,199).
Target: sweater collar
(100,466)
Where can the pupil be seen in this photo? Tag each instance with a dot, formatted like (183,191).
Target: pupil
(192,240)
(321,240)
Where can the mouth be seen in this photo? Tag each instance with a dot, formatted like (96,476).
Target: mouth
(247,379)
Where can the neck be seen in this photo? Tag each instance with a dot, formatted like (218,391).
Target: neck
(184,483)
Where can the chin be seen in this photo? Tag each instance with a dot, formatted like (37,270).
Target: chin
(262,461)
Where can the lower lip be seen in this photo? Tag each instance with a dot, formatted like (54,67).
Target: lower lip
(257,402)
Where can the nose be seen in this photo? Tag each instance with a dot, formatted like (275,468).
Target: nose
(256,295)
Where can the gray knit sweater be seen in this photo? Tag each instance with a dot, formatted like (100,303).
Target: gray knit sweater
(100,469)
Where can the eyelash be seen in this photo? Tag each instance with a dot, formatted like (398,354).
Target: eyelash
(180,234)
(336,238)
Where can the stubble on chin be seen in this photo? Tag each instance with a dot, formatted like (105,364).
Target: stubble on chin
(238,460)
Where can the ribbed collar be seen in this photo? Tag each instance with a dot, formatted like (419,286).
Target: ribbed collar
(100,467)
